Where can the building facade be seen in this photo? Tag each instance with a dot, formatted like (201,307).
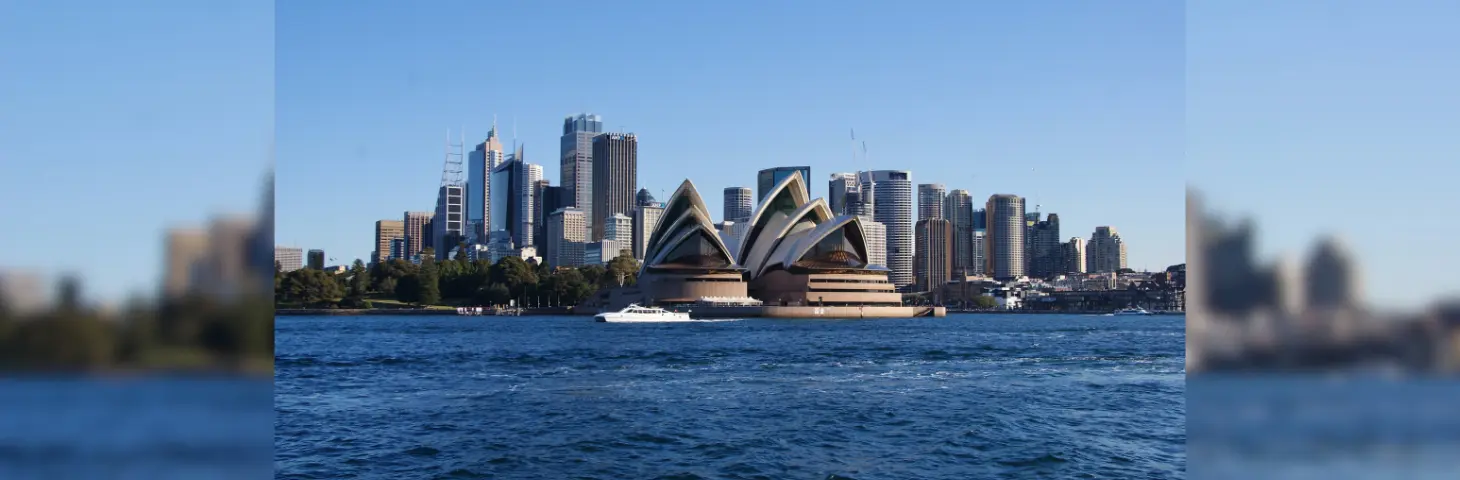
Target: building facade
(876,241)
(738,204)
(417,225)
(892,199)
(385,231)
(615,179)
(930,200)
(646,217)
(512,204)
(289,259)
(837,189)
(315,259)
(480,163)
(1106,251)
(576,149)
(958,208)
(767,179)
(933,266)
(1044,247)
(448,226)
(1004,241)
(1074,256)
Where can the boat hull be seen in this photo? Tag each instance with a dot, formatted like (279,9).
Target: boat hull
(621,318)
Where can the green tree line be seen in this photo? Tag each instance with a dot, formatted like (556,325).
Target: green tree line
(457,282)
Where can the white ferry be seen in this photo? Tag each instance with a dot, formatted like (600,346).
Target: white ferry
(636,313)
(1131,311)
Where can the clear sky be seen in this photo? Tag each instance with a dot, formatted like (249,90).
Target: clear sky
(1323,116)
(1078,107)
(120,119)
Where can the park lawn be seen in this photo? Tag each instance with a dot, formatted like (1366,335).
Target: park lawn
(390,303)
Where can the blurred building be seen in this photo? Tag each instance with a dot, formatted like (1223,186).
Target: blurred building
(289,258)
(23,293)
(385,232)
(316,259)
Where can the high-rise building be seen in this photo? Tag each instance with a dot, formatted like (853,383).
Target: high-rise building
(397,249)
(448,226)
(892,199)
(644,198)
(576,174)
(930,200)
(837,189)
(546,200)
(738,204)
(289,258)
(1004,242)
(770,177)
(1074,255)
(980,242)
(416,227)
(566,238)
(1044,247)
(876,234)
(859,202)
(385,231)
(619,228)
(1105,252)
(646,217)
(615,178)
(480,163)
(958,208)
(512,200)
(316,259)
(933,266)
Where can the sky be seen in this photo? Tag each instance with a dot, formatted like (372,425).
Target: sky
(1320,117)
(1078,108)
(121,119)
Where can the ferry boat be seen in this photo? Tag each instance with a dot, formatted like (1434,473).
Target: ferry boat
(636,313)
(1131,311)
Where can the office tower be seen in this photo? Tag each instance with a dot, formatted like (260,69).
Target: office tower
(738,204)
(1332,280)
(876,234)
(933,266)
(619,228)
(892,199)
(448,226)
(770,177)
(980,242)
(480,163)
(615,178)
(186,249)
(930,200)
(1004,242)
(859,203)
(646,217)
(289,258)
(512,201)
(397,249)
(958,208)
(837,189)
(1105,252)
(1074,256)
(644,198)
(316,259)
(566,237)
(416,227)
(1044,247)
(576,160)
(546,200)
(385,231)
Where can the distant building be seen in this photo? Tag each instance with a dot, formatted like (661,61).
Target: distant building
(1048,256)
(24,292)
(1074,256)
(316,259)
(738,204)
(397,249)
(930,200)
(1004,243)
(615,178)
(576,174)
(448,225)
(645,198)
(770,177)
(876,241)
(892,199)
(646,217)
(416,224)
(1106,251)
(933,266)
(1332,279)
(958,208)
(289,258)
(837,189)
(566,238)
(480,163)
(601,252)
(385,232)
(512,199)
(619,228)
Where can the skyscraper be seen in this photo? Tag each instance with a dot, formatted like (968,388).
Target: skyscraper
(1045,248)
(876,234)
(892,199)
(644,198)
(615,179)
(546,200)
(385,231)
(930,200)
(1105,252)
(565,238)
(1074,255)
(837,189)
(1004,242)
(512,200)
(980,242)
(289,259)
(480,163)
(738,204)
(958,208)
(316,259)
(449,223)
(770,177)
(576,175)
(646,217)
(933,266)
(416,224)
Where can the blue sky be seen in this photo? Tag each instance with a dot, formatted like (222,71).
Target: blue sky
(1321,117)
(123,118)
(1079,108)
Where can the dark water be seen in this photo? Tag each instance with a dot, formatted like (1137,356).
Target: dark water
(968,396)
(135,428)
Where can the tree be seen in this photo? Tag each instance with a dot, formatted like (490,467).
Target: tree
(359,279)
(430,281)
(984,301)
(623,266)
(494,294)
(515,273)
(408,290)
(593,274)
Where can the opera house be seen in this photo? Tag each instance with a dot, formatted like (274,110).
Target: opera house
(795,253)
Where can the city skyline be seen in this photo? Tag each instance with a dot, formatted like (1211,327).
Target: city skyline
(916,121)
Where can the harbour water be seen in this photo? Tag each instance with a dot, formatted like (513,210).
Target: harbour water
(966,396)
